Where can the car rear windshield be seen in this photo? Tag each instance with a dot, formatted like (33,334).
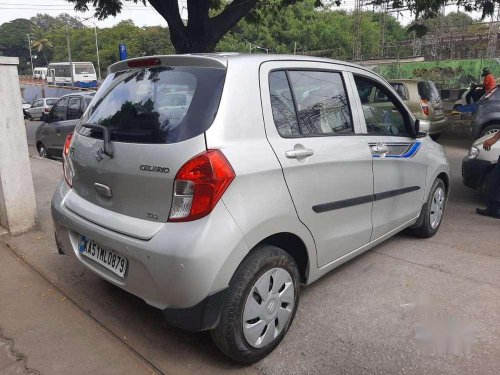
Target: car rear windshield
(51,101)
(428,91)
(156,105)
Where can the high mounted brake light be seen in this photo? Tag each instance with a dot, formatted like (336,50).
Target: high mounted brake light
(199,185)
(141,63)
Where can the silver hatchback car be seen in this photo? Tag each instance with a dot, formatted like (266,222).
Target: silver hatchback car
(214,186)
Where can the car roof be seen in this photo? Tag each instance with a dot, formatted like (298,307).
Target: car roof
(84,94)
(222,60)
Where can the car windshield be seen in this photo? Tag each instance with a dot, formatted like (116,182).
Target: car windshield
(157,105)
(50,101)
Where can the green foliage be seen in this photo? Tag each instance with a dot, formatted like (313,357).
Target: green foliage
(14,41)
(303,28)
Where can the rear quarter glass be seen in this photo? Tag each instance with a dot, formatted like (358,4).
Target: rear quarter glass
(156,105)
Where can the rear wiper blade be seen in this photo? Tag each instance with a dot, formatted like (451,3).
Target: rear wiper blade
(106,137)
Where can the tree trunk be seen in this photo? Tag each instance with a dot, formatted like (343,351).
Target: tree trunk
(45,57)
(202,33)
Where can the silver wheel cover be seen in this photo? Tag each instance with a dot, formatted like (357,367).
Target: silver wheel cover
(437,207)
(268,307)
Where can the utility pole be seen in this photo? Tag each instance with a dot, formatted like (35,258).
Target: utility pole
(493,35)
(69,58)
(383,29)
(31,56)
(97,51)
(358,16)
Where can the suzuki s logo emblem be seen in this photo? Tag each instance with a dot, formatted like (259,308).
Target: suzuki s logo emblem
(99,154)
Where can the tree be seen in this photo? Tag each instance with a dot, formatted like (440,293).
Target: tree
(46,22)
(14,41)
(209,20)
(41,44)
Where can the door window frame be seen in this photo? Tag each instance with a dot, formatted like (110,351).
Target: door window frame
(407,115)
(303,65)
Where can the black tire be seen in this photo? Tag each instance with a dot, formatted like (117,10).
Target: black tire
(228,335)
(42,151)
(424,228)
(494,127)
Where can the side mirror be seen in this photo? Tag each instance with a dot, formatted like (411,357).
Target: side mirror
(421,127)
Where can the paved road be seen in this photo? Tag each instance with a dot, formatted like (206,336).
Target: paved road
(370,316)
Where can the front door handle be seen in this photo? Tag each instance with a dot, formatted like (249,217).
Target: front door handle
(299,153)
(379,149)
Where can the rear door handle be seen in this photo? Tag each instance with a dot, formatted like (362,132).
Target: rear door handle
(299,153)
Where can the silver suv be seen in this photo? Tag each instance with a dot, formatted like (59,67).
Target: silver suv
(214,186)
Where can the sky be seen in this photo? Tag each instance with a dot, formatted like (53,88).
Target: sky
(141,15)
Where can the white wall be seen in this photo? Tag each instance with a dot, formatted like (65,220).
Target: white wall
(17,196)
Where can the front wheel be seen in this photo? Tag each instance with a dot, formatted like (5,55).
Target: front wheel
(261,304)
(432,213)
(490,130)
(42,151)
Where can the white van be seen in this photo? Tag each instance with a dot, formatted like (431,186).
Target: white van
(40,73)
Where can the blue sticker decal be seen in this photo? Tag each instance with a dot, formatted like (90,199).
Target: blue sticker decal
(82,244)
(409,153)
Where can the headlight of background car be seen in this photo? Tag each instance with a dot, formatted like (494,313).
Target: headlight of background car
(473,152)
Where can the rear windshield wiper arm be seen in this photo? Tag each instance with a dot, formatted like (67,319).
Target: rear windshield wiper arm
(105,135)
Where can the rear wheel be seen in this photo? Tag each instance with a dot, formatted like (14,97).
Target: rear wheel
(432,213)
(42,151)
(261,304)
(490,130)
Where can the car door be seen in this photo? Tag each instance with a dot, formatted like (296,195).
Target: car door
(33,110)
(52,133)
(73,116)
(328,170)
(399,168)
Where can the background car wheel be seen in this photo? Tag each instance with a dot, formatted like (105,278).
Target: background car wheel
(260,306)
(485,184)
(42,151)
(490,130)
(432,212)
(435,137)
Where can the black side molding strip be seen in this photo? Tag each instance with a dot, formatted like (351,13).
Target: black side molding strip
(393,193)
(324,207)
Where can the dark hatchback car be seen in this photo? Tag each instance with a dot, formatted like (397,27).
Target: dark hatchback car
(486,118)
(60,121)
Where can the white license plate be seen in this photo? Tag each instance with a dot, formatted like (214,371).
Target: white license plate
(108,258)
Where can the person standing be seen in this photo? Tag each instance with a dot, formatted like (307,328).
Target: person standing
(493,208)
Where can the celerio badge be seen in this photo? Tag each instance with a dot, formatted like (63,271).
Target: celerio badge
(154,168)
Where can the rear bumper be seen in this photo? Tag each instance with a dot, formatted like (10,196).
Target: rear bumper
(182,270)
(473,172)
(437,127)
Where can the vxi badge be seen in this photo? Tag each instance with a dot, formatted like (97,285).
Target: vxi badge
(154,168)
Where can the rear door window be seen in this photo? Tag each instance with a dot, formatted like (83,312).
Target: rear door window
(157,105)
(284,114)
(400,89)
(50,101)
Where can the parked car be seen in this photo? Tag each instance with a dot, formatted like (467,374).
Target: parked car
(424,100)
(41,107)
(60,121)
(278,170)
(25,104)
(478,164)
(486,118)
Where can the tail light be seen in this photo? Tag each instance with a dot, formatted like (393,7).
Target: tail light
(67,167)
(199,185)
(425,107)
